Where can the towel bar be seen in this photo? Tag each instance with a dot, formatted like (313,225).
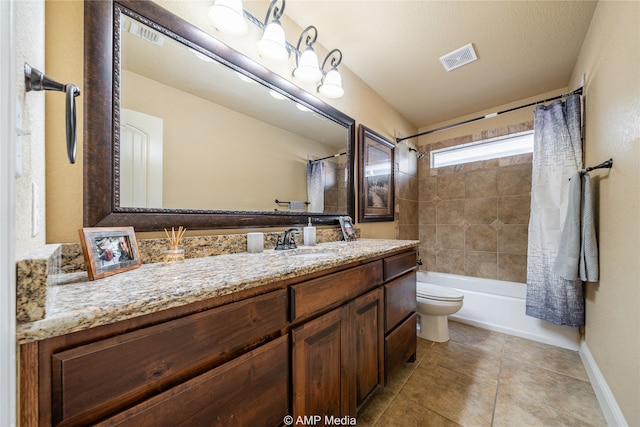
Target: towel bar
(36,80)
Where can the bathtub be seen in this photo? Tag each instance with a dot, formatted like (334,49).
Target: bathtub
(499,306)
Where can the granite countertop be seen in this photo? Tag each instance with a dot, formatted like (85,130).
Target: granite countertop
(73,303)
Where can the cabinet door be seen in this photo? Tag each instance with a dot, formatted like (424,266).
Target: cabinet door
(400,346)
(320,361)
(400,300)
(369,344)
(251,390)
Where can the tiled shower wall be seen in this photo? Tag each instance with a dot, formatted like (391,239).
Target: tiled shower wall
(335,190)
(474,217)
(407,183)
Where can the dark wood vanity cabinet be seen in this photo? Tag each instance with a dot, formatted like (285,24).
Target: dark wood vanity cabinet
(340,358)
(168,366)
(337,358)
(322,346)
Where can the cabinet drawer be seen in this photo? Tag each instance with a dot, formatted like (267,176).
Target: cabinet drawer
(400,346)
(399,264)
(400,300)
(251,390)
(105,375)
(318,295)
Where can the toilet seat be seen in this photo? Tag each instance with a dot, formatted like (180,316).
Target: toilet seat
(437,293)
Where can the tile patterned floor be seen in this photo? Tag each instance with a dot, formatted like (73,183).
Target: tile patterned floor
(484,378)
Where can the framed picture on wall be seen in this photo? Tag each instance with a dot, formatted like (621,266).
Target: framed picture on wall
(375,177)
(109,250)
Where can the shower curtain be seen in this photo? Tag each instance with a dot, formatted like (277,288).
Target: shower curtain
(557,154)
(315,186)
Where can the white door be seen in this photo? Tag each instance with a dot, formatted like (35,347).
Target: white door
(140,160)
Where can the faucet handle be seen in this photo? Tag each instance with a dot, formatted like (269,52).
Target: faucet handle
(292,241)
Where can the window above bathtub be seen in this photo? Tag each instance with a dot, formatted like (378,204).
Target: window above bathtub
(493,148)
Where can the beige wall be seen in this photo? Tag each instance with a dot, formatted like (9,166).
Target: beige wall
(220,157)
(64,51)
(610,61)
(64,182)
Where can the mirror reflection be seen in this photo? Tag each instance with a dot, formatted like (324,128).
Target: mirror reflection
(196,134)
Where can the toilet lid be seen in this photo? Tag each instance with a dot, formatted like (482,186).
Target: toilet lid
(439,293)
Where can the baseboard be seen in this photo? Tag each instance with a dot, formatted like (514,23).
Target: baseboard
(607,401)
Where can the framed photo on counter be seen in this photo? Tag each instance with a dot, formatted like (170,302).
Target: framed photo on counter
(348,231)
(109,250)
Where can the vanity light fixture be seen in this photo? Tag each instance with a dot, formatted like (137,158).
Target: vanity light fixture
(228,16)
(331,84)
(307,69)
(273,44)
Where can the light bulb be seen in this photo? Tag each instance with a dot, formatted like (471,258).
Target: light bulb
(228,17)
(273,43)
(308,70)
(331,86)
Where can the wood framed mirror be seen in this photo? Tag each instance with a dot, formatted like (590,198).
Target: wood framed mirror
(110,68)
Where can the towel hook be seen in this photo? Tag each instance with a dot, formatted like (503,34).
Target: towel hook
(36,80)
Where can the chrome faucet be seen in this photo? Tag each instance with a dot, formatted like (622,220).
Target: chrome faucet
(288,241)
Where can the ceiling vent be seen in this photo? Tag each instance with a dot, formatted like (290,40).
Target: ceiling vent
(147,34)
(459,57)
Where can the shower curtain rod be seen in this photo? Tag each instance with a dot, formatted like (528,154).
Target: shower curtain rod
(488,116)
(328,157)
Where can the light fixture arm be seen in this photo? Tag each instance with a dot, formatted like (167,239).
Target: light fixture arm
(336,59)
(277,12)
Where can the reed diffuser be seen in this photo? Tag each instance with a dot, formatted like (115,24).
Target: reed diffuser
(175,253)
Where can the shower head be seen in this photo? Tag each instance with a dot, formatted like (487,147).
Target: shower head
(419,155)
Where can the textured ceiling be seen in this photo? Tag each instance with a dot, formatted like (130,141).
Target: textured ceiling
(524,48)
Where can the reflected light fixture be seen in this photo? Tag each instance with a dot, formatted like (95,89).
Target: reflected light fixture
(302,107)
(201,55)
(307,69)
(245,78)
(331,84)
(228,16)
(273,44)
(277,95)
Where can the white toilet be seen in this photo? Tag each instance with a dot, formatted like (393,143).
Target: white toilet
(435,303)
